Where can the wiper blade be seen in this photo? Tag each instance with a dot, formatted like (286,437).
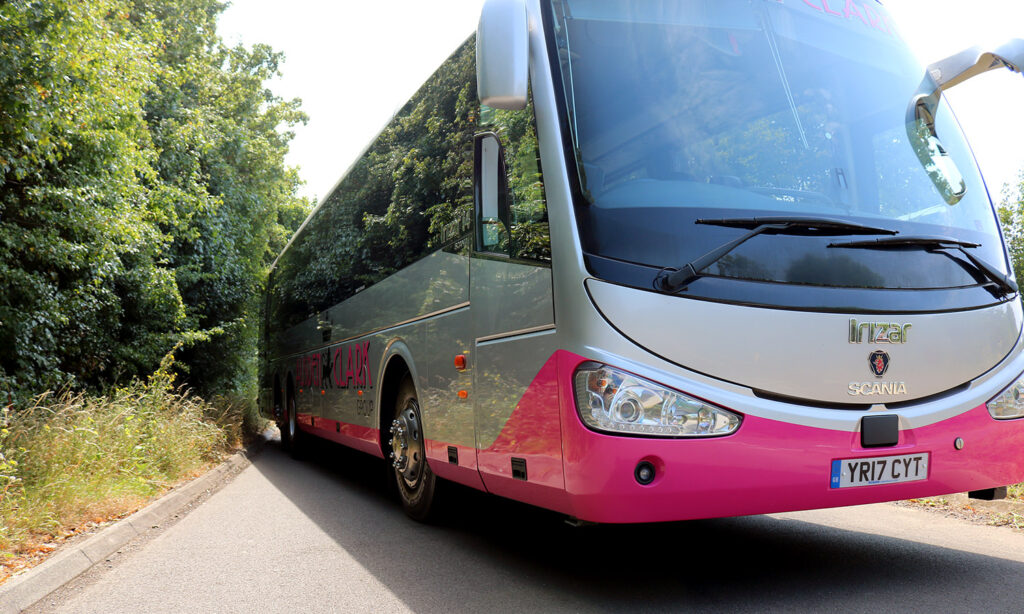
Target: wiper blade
(938,243)
(933,241)
(670,280)
(814,225)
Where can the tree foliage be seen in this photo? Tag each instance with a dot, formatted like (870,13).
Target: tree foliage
(142,192)
(1011,218)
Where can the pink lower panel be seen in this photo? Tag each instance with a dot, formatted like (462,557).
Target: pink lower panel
(465,472)
(768,466)
(533,434)
(362,438)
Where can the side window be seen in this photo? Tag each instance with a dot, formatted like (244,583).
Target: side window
(421,173)
(409,194)
(519,226)
(290,300)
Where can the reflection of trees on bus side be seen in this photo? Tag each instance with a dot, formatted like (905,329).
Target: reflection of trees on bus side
(445,284)
(534,430)
(448,417)
(390,209)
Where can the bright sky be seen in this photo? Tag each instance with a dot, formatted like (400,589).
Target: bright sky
(354,63)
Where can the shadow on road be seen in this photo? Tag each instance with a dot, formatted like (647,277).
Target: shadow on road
(491,554)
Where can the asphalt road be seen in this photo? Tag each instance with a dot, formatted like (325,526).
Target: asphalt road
(324,535)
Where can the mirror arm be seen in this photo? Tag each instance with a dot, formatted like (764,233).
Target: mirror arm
(920,116)
(972,62)
(953,71)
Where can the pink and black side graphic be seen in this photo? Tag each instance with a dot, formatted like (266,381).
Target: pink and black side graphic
(342,368)
(346,366)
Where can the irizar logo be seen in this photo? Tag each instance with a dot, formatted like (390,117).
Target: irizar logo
(878,332)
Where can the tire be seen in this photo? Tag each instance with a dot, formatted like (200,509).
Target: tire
(415,482)
(291,435)
(282,427)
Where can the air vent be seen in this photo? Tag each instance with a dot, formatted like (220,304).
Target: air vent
(519,468)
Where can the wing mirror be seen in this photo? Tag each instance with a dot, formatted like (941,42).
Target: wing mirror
(943,75)
(941,169)
(502,54)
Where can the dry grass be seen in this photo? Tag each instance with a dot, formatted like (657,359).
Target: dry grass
(977,511)
(74,460)
(1012,519)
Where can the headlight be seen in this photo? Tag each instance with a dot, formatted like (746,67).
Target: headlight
(1009,403)
(613,400)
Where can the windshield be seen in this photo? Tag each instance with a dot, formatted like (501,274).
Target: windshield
(681,110)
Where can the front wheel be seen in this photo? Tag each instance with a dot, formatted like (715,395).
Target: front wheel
(416,483)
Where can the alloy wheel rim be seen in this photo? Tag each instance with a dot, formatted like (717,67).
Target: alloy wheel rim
(407,445)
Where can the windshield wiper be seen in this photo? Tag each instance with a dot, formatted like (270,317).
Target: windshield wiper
(669,280)
(938,243)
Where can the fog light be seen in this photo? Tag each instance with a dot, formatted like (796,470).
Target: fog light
(644,473)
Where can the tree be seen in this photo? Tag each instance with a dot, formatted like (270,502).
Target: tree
(222,159)
(142,192)
(1011,218)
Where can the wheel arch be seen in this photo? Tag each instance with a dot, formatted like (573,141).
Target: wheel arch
(396,363)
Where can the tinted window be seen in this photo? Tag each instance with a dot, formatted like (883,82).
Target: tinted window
(410,194)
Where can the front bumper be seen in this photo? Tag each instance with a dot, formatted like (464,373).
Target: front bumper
(769,466)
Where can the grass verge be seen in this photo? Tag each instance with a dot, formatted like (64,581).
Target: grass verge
(71,460)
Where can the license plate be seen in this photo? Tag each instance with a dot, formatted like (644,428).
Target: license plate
(879,470)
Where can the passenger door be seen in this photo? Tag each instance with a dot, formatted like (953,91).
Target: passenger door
(515,395)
